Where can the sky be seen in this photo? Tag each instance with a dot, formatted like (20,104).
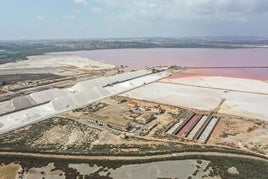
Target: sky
(72,19)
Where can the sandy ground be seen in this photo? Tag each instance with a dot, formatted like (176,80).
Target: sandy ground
(48,171)
(247,135)
(44,61)
(65,136)
(226,83)
(9,171)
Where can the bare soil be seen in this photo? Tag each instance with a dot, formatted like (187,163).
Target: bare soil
(240,133)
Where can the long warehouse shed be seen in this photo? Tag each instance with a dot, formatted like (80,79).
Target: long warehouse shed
(208,130)
(193,132)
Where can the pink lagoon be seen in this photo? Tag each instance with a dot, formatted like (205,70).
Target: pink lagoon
(189,57)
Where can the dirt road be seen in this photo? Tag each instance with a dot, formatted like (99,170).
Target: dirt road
(80,157)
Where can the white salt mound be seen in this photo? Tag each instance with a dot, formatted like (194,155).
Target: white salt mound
(233,170)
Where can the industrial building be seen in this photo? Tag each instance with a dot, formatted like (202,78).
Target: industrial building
(194,127)
(207,131)
(146,117)
(118,124)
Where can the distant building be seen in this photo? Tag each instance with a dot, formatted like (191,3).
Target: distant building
(123,126)
(118,123)
(132,104)
(157,109)
(146,117)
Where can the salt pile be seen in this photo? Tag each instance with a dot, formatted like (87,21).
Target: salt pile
(62,100)
(17,103)
(27,116)
(46,95)
(6,107)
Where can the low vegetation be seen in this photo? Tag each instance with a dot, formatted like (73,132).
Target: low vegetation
(247,168)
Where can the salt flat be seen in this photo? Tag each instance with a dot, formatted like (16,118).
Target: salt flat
(178,95)
(44,61)
(226,83)
(246,105)
(242,104)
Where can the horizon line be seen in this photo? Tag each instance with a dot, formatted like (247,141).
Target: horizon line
(141,37)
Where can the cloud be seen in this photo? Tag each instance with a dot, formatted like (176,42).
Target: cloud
(181,9)
(96,9)
(70,17)
(80,1)
(73,15)
(40,18)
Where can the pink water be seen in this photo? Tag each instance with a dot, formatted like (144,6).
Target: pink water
(189,57)
(181,57)
(249,73)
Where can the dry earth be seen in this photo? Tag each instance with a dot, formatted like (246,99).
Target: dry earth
(246,135)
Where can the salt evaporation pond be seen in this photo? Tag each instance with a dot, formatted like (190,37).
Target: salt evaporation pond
(189,57)
(249,73)
(162,169)
(194,57)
